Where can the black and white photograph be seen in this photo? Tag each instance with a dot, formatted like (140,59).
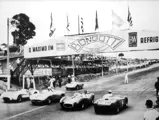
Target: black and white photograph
(79,60)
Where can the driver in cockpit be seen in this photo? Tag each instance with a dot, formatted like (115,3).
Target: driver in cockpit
(109,94)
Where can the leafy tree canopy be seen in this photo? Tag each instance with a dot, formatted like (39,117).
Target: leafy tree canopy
(25,29)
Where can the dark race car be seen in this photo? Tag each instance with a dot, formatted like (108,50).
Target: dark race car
(74,85)
(77,101)
(113,104)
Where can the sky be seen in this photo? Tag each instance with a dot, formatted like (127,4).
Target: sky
(144,16)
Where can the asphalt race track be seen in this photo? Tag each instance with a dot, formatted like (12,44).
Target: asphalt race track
(139,88)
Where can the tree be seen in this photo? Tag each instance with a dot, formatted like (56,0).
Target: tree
(25,29)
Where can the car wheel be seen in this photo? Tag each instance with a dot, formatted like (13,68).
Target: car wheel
(117,110)
(6,101)
(77,87)
(33,103)
(82,105)
(62,96)
(92,101)
(126,102)
(35,92)
(48,101)
(96,110)
(19,99)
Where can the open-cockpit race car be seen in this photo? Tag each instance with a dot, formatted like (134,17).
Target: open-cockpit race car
(74,85)
(18,95)
(77,101)
(47,96)
(113,103)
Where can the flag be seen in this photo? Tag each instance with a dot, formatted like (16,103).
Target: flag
(82,25)
(117,20)
(96,22)
(68,25)
(129,19)
(52,30)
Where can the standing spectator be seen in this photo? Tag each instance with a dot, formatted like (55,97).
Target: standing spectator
(157,86)
(69,79)
(54,81)
(151,113)
(28,82)
(126,78)
(51,81)
(32,82)
(59,80)
(73,78)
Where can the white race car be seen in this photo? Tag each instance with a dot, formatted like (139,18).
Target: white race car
(74,85)
(17,95)
(46,96)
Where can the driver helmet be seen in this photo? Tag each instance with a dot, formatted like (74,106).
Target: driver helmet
(109,91)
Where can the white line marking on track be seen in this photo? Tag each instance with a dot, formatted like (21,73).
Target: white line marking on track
(11,117)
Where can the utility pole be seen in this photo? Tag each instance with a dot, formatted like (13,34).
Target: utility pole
(8,67)
(73,65)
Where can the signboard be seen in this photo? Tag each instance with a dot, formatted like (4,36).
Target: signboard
(132,39)
(102,42)
(41,72)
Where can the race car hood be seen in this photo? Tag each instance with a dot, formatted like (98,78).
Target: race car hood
(105,101)
(9,94)
(73,84)
(41,96)
(72,100)
(56,92)
(45,94)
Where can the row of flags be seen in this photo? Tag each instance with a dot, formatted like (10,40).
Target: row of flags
(117,21)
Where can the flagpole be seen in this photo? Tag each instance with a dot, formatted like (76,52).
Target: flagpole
(8,69)
(67,25)
(96,23)
(78,25)
(102,64)
(116,63)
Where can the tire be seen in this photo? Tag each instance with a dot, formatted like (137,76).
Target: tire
(6,101)
(33,103)
(96,110)
(92,101)
(49,101)
(82,105)
(77,87)
(62,96)
(35,92)
(19,99)
(126,102)
(117,109)
(62,107)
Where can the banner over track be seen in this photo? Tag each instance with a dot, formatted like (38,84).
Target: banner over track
(99,42)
